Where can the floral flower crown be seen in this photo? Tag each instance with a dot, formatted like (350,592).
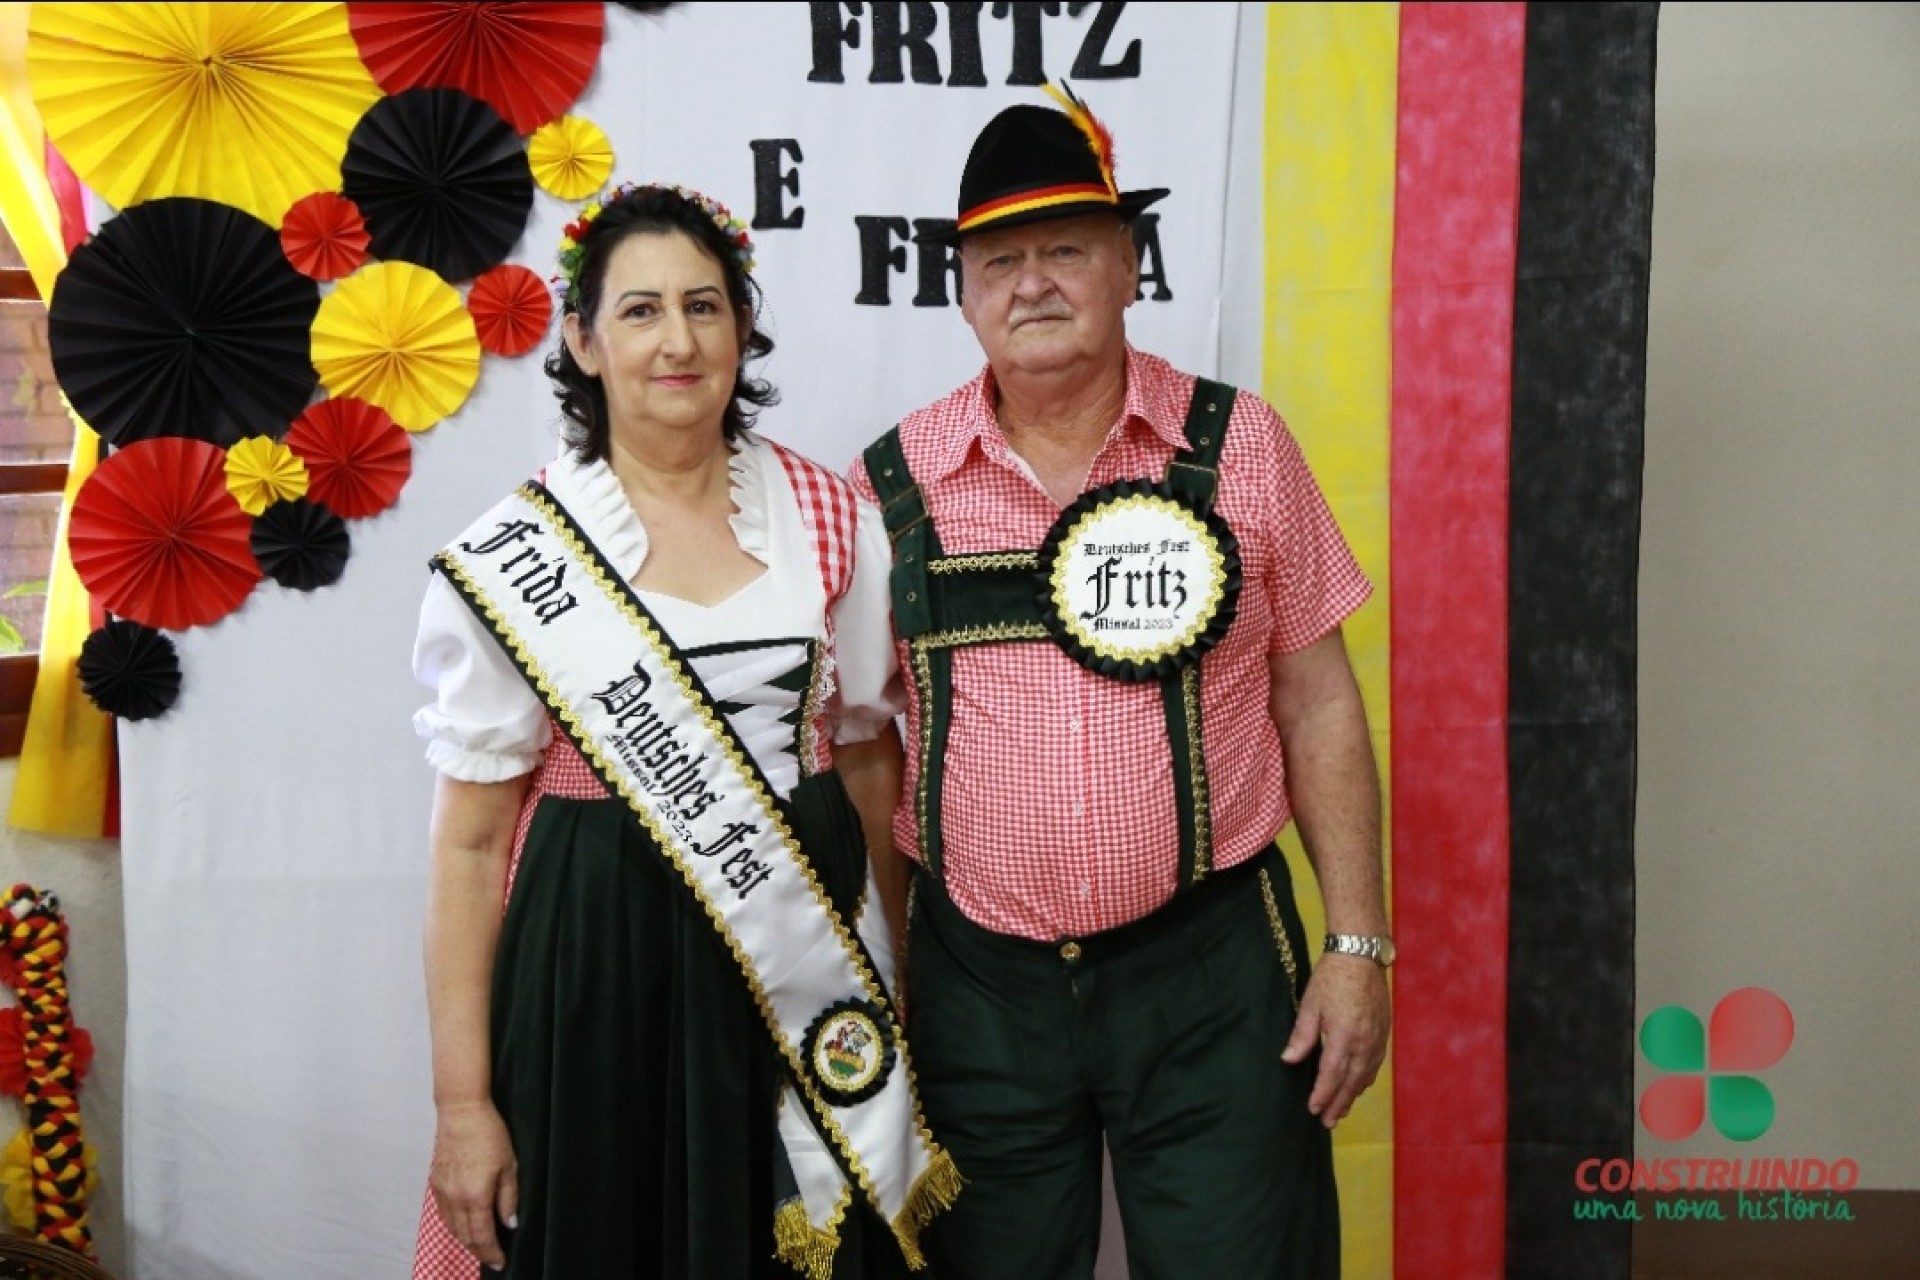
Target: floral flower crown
(573,249)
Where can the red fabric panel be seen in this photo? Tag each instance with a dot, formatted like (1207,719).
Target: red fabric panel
(1454,238)
(68,198)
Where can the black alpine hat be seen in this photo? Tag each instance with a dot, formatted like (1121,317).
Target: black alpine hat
(1034,163)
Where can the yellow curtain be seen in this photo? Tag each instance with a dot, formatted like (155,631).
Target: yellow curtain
(1332,76)
(66,760)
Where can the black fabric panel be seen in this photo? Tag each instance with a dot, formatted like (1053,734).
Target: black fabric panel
(1579,377)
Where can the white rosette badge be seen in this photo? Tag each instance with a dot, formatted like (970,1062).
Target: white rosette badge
(1137,583)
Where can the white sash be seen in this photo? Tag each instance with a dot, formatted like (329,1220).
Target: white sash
(639,716)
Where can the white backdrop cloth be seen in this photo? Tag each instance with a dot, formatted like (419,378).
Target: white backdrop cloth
(278,1108)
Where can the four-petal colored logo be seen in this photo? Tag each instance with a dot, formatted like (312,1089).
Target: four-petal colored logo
(1749,1031)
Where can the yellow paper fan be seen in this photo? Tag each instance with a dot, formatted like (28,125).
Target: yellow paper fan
(261,471)
(399,336)
(570,157)
(247,104)
(16,1175)
(17,1179)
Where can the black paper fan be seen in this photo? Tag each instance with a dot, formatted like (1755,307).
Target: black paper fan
(129,670)
(301,544)
(182,317)
(441,180)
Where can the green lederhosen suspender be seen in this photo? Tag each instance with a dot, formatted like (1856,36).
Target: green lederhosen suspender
(942,602)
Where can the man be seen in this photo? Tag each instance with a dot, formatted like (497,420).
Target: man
(1118,595)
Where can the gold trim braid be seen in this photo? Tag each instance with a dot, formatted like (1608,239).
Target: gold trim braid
(923,685)
(985,560)
(993,633)
(818,658)
(1280,939)
(1197,775)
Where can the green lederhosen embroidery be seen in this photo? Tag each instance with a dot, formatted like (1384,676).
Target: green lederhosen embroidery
(942,602)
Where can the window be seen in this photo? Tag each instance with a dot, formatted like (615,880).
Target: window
(36,441)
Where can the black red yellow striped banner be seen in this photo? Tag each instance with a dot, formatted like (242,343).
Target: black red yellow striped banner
(1460,88)
(1458,210)
(1579,379)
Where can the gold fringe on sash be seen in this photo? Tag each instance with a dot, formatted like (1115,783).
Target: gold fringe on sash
(809,1249)
(800,1245)
(933,1192)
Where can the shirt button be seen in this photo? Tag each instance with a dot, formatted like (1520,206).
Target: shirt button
(1078,808)
(1074,724)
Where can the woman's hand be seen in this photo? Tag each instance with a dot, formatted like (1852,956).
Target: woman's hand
(474,1173)
(475,1178)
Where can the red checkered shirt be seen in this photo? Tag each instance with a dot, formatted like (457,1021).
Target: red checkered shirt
(1059,813)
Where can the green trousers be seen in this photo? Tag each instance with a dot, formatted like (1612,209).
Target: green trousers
(1161,1039)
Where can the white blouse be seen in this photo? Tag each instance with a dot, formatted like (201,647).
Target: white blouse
(486,725)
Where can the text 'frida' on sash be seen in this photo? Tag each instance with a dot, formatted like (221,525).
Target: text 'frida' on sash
(541,581)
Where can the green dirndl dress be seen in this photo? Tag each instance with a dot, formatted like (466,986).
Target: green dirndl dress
(634,1073)
(636,1077)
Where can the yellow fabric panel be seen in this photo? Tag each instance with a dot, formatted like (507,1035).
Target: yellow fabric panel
(61,785)
(25,201)
(1331,107)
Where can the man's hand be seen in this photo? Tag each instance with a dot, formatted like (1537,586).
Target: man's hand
(1347,1012)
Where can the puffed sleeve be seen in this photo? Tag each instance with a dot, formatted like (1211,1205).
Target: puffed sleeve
(870,692)
(484,724)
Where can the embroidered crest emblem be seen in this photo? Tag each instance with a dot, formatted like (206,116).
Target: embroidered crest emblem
(849,1050)
(1137,583)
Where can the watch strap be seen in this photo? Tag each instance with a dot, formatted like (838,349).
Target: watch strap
(1375,947)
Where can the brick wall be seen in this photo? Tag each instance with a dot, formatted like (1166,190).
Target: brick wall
(34,427)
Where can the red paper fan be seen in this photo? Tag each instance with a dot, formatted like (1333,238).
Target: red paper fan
(13,1052)
(324,236)
(358,458)
(157,538)
(511,309)
(528,61)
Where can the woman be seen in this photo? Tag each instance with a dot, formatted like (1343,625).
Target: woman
(663,720)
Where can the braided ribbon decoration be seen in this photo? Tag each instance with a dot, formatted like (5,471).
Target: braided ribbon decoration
(33,958)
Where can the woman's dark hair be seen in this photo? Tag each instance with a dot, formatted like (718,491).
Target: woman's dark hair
(638,212)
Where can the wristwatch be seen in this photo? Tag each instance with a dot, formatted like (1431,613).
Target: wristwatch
(1377,947)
